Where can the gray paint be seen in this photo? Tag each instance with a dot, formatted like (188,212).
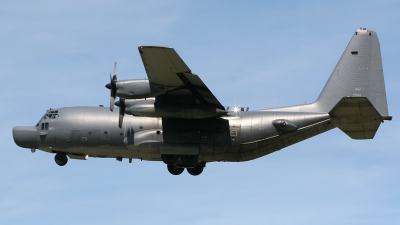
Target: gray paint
(187,119)
(358,75)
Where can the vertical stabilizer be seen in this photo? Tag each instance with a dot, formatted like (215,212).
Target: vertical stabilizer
(358,73)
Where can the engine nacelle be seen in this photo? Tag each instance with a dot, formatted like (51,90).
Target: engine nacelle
(131,102)
(181,111)
(136,89)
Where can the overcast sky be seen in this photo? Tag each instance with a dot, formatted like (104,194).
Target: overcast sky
(260,54)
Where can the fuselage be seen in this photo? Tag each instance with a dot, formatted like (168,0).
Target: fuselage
(94,132)
(173,117)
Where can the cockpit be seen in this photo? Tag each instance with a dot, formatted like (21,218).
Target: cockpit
(50,114)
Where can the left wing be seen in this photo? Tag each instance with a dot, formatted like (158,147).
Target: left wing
(169,73)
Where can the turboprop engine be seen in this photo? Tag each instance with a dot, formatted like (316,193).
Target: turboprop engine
(148,108)
(130,89)
(134,89)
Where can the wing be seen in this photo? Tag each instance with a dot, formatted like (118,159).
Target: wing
(168,72)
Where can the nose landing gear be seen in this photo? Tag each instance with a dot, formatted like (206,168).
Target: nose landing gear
(61,159)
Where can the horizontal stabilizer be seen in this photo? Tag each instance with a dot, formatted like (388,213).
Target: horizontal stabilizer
(357,117)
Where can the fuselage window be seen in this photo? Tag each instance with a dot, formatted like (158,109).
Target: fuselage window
(45,126)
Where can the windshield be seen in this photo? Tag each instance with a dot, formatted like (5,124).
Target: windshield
(51,114)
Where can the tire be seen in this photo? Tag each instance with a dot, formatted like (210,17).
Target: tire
(197,170)
(61,159)
(169,159)
(174,170)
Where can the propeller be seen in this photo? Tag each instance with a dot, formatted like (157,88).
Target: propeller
(121,111)
(113,87)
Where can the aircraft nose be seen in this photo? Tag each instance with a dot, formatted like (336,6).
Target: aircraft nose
(25,137)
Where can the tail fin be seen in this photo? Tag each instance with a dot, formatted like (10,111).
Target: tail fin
(358,73)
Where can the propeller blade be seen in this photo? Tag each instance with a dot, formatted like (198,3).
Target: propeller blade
(113,87)
(121,111)
(115,72)
(112,100)
(121,118)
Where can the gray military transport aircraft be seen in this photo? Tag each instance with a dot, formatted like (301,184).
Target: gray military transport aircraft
(174,117)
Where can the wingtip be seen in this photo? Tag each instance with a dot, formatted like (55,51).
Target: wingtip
(153,46)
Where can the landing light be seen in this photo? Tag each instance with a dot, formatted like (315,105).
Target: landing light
(87,156)
(235,109)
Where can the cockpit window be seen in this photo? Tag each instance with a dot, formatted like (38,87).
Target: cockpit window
(51,114)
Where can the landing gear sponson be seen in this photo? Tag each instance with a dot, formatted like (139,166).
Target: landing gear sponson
(190,162)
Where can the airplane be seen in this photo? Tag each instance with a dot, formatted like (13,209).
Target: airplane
(173,117)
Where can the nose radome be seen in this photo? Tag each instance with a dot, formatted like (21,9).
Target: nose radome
(25,137)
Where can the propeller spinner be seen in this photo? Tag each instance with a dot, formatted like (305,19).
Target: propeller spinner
(113,87)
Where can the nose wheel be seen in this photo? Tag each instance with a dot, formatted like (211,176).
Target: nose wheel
(61,159)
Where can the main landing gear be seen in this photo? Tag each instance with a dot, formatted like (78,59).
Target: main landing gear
(175,170)
(190,162)
(196,170)
(61,159)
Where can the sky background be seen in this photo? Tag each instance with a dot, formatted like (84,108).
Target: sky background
(259,54)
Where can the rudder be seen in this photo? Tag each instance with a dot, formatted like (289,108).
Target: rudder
(359,73)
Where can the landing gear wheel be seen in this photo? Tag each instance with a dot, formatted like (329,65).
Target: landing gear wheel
(189,160)
(197,170)
(174,170)
(61,159)
(169,159)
